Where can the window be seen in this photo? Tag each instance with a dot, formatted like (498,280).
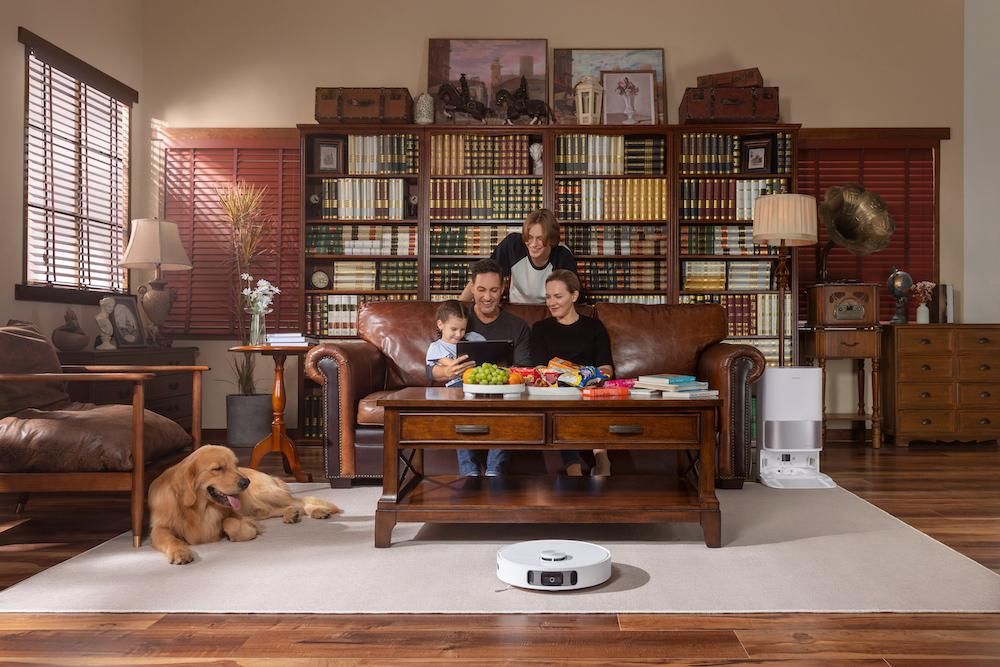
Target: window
(76,171)
(902,166)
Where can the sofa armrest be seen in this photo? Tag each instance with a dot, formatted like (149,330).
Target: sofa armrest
(732,369)
(349,370)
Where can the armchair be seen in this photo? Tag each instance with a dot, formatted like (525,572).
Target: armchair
(50,444)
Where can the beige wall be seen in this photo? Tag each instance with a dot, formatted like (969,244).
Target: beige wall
(255,63)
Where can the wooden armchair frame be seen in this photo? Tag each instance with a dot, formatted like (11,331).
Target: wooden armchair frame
(135,481)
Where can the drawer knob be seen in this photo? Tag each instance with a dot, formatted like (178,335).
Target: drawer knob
(925,394)
(925,341)
(984,340)
(925,422)
(984,394)
(984,367)
(925,367)
(984,421)
(846,344)
(472,429)
(625,429)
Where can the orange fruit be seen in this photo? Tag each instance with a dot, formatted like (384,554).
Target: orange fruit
(515,378)
(467,376)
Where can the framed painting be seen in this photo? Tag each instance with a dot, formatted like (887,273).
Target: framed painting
(570,65)
(329,156)
(124,315)
(484,67)
(629,98)
(757,155)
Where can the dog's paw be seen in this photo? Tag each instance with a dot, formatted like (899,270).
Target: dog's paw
(180,556)
(292,515)
(320,513)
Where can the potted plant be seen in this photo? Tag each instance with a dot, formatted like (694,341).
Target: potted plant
(924,291)
(248,413)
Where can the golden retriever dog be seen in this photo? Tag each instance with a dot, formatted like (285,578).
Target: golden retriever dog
(207,495)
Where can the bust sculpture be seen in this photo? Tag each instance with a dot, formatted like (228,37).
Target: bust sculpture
(535,151)
(105,339)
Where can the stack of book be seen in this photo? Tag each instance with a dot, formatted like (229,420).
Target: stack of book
(672,386)
(289,340)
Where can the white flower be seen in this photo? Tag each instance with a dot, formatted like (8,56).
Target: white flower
(259,298)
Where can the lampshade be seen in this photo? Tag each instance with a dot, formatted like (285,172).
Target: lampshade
(155,243)
(787,217)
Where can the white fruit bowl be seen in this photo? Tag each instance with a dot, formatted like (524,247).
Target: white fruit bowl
(492,389)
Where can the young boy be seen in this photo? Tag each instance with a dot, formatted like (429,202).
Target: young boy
(451,323)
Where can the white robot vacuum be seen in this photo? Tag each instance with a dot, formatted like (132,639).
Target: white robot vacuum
(553,565)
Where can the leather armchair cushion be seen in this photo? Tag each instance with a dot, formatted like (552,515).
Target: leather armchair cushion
(83,438)
(23,349)
(370,413)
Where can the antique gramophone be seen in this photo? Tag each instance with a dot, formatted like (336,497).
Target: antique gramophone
(856,219)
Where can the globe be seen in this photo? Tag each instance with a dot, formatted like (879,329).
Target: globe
(899,283)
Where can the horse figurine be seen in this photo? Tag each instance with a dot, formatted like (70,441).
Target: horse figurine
(517,104)
(461,102)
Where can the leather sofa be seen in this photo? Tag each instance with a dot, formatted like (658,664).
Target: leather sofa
(645,339)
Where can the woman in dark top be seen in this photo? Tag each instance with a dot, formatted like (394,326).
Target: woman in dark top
(574,337)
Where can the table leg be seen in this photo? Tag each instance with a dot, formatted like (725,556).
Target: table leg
(711,516)
(385,519)
(822,367)
(876,406)
(278,440)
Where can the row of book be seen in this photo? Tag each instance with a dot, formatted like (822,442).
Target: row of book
(622,274)
(768,347)
(473,154)
(720,240)
(337,314)
(468,239)
(648,299)
(484,198)
(748,314)
(725,198)
(361,240)
(311,422)
(711,275)
(449,275)
(363,199)
(605,155)
(716,153)
(612,199)
(615,239)
(383,154)
(370,275)
(672,386)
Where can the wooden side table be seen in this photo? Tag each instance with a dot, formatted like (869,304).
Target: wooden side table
(277,440)
(846,342)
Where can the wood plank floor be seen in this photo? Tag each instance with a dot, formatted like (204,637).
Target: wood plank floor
(951,492)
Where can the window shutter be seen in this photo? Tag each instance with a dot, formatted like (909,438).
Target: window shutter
(194,167)
(905,177)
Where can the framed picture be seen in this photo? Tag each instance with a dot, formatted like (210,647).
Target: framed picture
(487,66)
(570,65)
(329,156)
(128,328)
(629,98)
(756,155)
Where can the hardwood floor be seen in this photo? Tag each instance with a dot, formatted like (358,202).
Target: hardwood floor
(951,492)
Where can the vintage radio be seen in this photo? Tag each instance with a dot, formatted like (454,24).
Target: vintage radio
(843,304)
(730,105)
(364,105)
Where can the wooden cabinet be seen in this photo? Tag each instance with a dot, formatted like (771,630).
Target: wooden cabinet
(167,394)
(942,382)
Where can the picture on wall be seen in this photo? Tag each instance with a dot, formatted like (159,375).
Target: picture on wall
(488,66)
(570,65)
(629,98)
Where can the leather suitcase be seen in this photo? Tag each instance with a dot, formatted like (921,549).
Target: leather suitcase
(740,78)
(364,105)
(729,105)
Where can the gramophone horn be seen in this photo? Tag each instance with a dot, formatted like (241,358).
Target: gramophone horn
(857,219)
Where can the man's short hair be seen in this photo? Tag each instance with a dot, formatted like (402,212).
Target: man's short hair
(484,266)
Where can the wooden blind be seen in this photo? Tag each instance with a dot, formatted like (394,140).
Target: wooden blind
(903,170)
(194,167)
(76,171)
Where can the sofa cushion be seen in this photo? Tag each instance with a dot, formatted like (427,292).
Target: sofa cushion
(23,349)
(370,413)
(83,438)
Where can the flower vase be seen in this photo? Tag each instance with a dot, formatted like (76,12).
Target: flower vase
(629,110)
(923,314)
(258,330)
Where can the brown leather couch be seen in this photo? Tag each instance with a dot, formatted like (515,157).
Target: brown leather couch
(645,339)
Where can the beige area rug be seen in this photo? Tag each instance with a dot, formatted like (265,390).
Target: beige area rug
(783,551)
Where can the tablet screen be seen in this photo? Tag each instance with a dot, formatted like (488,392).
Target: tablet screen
(499,352)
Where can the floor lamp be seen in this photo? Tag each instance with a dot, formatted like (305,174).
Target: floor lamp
(156,244)
(785,220)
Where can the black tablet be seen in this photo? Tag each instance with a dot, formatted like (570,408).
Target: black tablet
(499,352)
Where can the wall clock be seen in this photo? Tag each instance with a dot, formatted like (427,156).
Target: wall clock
(320,279)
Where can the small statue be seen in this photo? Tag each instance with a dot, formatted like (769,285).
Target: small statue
(455,101)
(423,109)
(70,337)
(535,151)
(517,104)
(105,338)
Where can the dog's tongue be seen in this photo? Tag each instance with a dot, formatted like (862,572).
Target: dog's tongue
(234,502)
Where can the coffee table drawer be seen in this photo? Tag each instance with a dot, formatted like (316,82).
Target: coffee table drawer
(604,429)
(509,428)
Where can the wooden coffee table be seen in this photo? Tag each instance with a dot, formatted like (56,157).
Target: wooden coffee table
(419,418)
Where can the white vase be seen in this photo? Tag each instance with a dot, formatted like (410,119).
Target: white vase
(629,110)
(923,314)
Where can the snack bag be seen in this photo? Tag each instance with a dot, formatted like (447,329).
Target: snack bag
(605,392)
(584,376)
(529,374)
(628,383)
(561,365)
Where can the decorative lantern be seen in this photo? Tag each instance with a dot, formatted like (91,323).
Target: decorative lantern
(589,94)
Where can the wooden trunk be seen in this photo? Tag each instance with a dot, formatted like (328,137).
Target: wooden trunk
(739,78)
(364,105)
(729,105)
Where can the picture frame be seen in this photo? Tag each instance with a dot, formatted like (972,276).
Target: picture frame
(571,65)
(638,108)
(489,65)
(330,156)
(128,327)
(756,155)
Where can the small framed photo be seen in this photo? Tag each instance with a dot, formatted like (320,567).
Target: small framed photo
(629,97)
(329,156)
(756,155)
(124,316)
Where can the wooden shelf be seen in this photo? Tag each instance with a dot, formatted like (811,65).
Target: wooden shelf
(478,176)
(727,257)
(310,255)
(361,291)
(343,175)
(361,221)
(640,177)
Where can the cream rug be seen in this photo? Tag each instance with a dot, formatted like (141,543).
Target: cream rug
(783,551)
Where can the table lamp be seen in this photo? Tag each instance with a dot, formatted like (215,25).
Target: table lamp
(156,244)
(785,220)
